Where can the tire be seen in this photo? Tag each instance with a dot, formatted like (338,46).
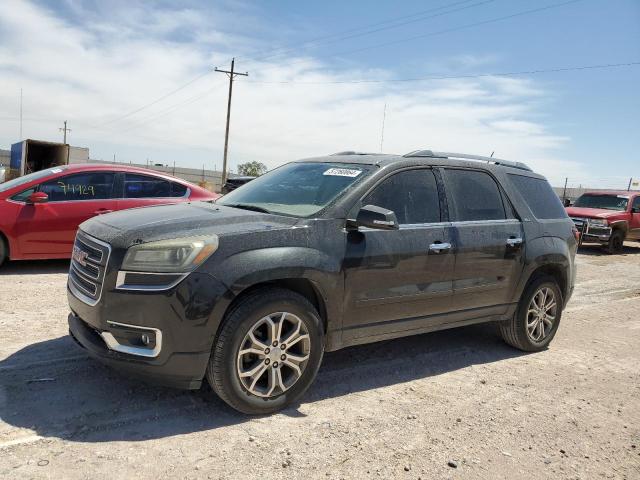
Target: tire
(616,242)
(3,250)
(515,331)
(249,315)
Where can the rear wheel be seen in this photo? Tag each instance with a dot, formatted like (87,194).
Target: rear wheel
(4,251)
(537,318)
(268,351)
(616,242)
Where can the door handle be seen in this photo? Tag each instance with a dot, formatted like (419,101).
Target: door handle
(514,242)
(100,211)
(439,247)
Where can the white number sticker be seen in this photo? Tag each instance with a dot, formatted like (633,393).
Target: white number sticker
(56,170)
(343,172)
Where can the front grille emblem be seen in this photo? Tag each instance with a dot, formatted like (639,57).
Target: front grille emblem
(80,256)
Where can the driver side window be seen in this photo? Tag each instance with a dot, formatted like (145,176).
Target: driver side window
(411,194)
(635,207)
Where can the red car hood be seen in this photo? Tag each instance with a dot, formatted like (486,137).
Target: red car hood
(592,212)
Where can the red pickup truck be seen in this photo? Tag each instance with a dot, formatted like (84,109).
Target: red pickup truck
(608,218)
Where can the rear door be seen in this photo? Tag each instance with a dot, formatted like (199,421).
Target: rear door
(489,242)
(394,279)
(49,228)
(141,190)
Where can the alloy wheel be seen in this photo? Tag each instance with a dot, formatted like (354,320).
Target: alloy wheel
(273,354)
(541,314)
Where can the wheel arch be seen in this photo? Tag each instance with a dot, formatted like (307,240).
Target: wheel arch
(549,256)
(5,241)
(554,270)
(302,286)
(620,225)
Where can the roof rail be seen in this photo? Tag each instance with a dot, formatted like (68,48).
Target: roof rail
(351,152)
(464,156)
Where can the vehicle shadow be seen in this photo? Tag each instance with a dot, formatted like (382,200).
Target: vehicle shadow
(34,267)
(52,387)
(630,248)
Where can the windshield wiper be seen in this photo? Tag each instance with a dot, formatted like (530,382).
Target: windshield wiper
(246,206)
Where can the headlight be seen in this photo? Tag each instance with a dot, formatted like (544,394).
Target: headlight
(180,255)
(598,222)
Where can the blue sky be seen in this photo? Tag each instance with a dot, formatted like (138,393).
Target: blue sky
(95,63)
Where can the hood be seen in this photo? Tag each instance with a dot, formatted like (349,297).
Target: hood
(148,224)
(593,212)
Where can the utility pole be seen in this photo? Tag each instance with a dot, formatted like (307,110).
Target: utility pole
(65,130)
(564,192)
(629,186)
(231,74)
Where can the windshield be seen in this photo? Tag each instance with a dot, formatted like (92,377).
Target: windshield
(298,189)
(16,182)
(608,202)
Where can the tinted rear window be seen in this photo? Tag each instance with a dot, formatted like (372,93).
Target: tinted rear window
(542,200)
(475,196)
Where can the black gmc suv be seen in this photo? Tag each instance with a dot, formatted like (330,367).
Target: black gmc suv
(315,256)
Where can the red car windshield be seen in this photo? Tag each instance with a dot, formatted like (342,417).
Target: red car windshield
(607,202)
(16,182)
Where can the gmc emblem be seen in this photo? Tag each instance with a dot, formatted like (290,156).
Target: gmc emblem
(79,256)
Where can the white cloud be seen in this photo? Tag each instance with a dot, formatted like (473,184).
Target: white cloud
(91,66)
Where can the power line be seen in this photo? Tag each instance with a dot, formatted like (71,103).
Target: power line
(307,43)
(439,32)
(172,108)
(348,34)
(159,99)
(451,77)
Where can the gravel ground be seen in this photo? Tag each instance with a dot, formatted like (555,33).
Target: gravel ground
(453,404)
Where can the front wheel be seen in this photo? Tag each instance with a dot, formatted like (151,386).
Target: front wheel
(537,318)
(3,250)
(268,351)
(616,242)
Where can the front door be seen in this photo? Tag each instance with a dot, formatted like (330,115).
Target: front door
(489,243)
(49,228)
(394,279)
(634,223)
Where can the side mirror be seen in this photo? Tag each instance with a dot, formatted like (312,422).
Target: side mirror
(635,210)
(37,197)
(379,218)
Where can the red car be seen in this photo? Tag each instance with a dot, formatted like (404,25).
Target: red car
(607,218)
(40,212)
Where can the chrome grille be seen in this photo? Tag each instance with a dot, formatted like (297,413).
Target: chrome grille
(88,266)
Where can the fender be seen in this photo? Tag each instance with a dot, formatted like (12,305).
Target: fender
(621,224)
(546,251)
(252,267)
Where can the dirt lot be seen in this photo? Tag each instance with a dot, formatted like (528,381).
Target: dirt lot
(456,404)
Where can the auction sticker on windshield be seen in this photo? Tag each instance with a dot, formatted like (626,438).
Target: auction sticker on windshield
(343,172)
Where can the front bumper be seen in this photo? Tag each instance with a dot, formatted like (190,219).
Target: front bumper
(161,337)
(181,370)
(590,233)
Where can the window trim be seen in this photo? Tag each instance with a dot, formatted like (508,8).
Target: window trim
(506,201)
(353,211)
